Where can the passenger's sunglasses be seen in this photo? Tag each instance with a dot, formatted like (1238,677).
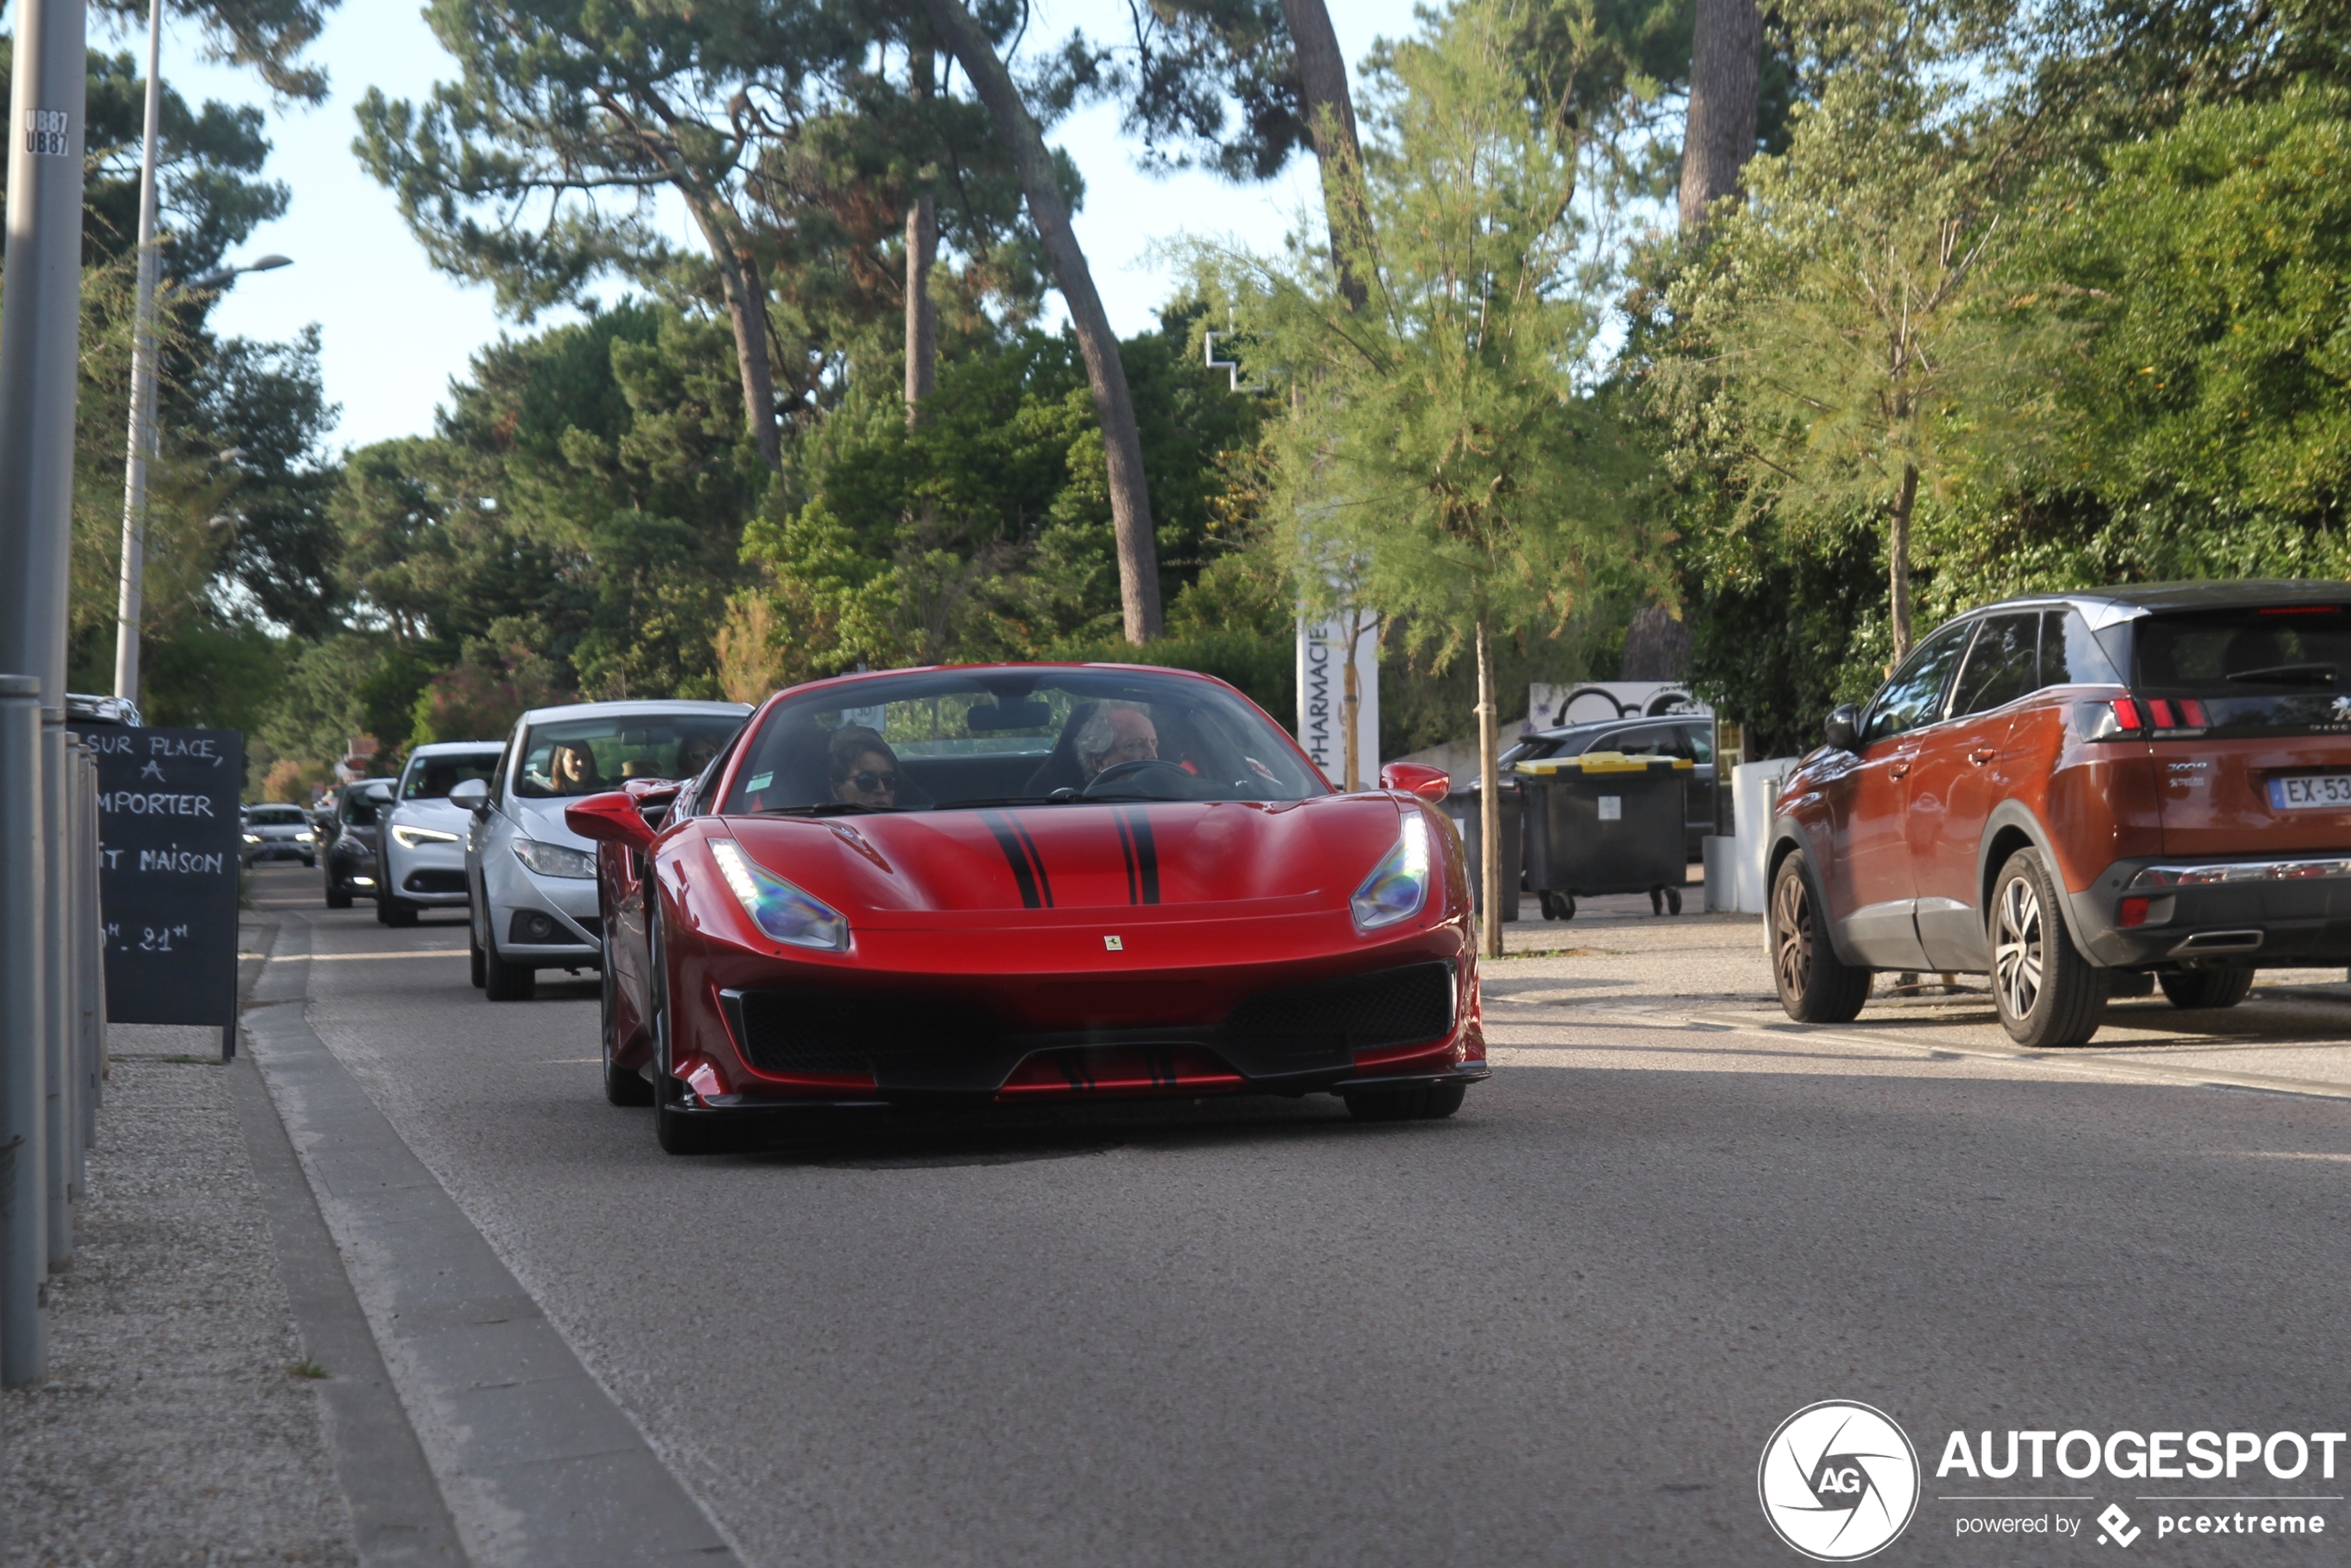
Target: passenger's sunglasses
(869,782)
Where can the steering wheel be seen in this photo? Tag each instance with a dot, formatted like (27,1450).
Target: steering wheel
(1140,768)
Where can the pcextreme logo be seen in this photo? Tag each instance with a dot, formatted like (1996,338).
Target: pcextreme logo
(1840,1481)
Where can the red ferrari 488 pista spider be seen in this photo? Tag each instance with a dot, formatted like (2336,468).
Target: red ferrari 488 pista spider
(1027,883)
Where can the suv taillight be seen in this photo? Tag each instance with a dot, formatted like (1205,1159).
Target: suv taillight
(2138,718)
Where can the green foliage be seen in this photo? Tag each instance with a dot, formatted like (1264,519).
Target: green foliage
(1440,456)
(984,531)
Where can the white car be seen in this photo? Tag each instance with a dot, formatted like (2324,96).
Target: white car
(533,879)
(276,832)
(424,836)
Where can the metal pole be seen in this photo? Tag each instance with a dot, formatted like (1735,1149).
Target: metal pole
(24,1209)
(57,991)
(94,969)
(129,605)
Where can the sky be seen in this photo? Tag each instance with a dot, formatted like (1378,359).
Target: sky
(393,331)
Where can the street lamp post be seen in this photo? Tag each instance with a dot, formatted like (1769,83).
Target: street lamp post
(130,599)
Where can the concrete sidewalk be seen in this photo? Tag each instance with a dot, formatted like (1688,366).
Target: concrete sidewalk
(178,1423)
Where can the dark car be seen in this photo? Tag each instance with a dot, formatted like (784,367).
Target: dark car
(1690,735)
(352,851)
(2081,796)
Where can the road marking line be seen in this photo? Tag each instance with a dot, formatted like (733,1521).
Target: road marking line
(347,957)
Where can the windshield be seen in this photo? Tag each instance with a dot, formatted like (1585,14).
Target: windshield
(586,757)
(932,742)
(277,816)
(432,778)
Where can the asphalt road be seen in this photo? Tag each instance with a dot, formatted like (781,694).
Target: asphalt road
(1558,1328)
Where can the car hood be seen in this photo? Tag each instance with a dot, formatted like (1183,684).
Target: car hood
(543,820)
(431,813)
(1303,854)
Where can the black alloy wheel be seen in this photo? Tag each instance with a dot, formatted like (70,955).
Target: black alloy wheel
(1422,1102)
(473,942)
(394,911)
(623,1086)
(677,1131)
(338,893)
(2195,988)
(1815,986)
(2047,994)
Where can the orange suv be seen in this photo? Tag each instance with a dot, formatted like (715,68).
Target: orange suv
(2081,795)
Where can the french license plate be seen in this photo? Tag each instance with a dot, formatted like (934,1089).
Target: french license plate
(2321,791)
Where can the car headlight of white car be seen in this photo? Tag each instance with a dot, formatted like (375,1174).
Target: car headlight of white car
(253,838)
(413,838)
(305,837)
(551,860)
(1397,886)
(775,905)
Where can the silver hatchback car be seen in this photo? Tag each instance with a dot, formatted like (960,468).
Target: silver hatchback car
(533,879)
(424,836)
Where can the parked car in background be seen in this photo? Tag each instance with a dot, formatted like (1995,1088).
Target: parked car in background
(86,711)
(533,879)
(422,838)
(351,849)
(279,832)
(2081,795)
(1690,735)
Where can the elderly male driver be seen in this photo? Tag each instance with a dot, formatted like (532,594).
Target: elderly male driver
(1117,733)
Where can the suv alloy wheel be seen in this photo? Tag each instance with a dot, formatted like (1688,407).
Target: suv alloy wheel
(1816,987)
(2047,992)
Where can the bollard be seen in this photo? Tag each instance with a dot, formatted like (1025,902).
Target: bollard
(57,1065)
(24,1243)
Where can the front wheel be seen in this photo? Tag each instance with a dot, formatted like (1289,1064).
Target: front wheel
(1816,987)
(2048,995)
(338,896)
(503,981)
(480,966)
(2194,988)
(395,911)
(1424,1102)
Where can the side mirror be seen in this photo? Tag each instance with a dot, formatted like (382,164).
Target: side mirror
(1844,728)
(653,798)
(1428,783)
(471,794)
(610,819)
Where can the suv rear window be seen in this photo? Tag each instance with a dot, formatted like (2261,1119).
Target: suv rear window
(2269,669)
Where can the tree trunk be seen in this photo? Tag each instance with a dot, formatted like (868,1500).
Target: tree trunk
(1130,504)
(746,313)
(1489,804)
(1898,563)
(922,252)
(1330,119)
(922,316)
(1726,53)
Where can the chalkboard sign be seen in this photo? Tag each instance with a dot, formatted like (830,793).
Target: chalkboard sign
(168,853)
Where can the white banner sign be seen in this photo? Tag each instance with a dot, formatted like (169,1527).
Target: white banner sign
(1321,691)
(1549,707)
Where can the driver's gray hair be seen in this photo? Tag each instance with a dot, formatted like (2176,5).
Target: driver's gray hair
(1097,736)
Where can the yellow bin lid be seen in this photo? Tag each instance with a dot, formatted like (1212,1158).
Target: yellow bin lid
(1600,761)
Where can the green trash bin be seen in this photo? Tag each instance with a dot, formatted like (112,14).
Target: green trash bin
(1605,823)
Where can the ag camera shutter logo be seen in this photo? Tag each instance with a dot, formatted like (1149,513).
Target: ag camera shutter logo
(1840,1481)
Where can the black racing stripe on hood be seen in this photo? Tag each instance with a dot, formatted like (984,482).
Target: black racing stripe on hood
(1126,848)
(1035,860)
(1144,863)
(1013,857)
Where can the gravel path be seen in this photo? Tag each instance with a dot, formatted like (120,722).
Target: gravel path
(173,1427)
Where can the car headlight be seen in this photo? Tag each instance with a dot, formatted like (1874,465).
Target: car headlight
(548,859)
(1397,886)
(775,905)
(411,837)
(305,837)
(253,838)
